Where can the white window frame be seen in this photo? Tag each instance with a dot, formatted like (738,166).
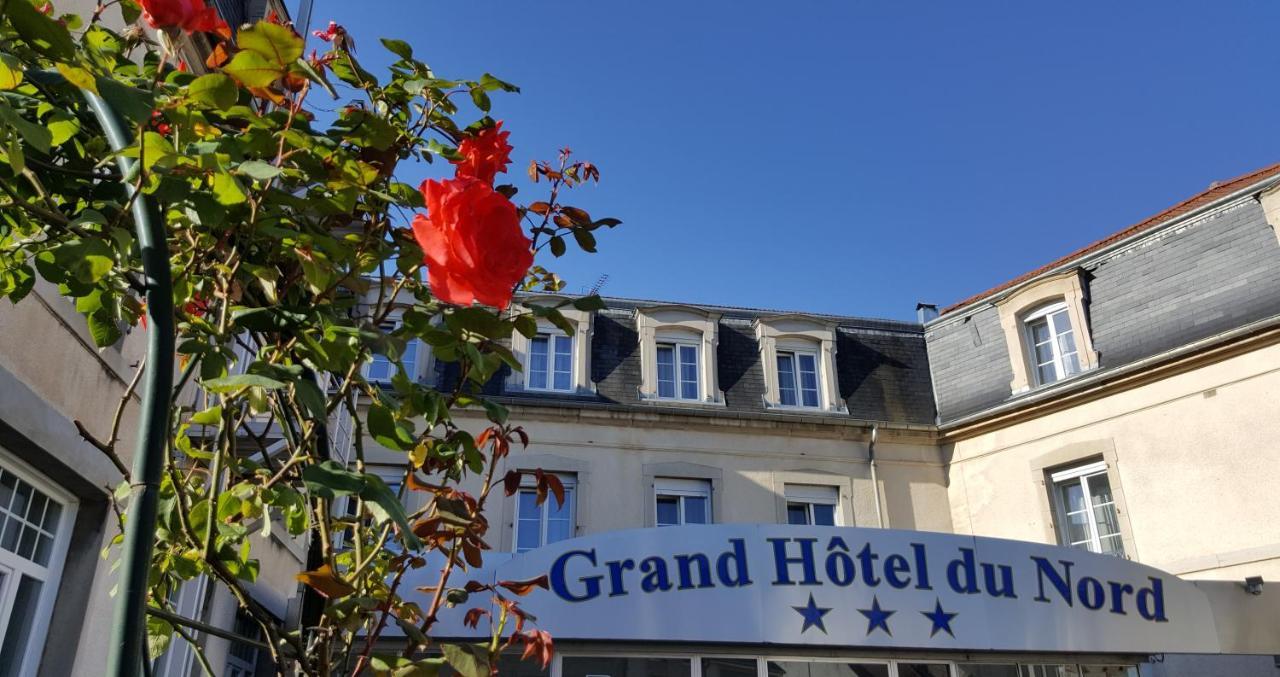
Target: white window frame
(529,484)
(1082,474)
(810,495)
(676,344)
(50,575)
(795,354)
(551,337)
(680,489)
(1046,314)
(236,666)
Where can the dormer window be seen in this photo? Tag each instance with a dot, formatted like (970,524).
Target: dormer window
(1052,343)
(1046,329)
(798,378)
(677,355)
(551,360)
(550,363)
(677,370)
(798,354)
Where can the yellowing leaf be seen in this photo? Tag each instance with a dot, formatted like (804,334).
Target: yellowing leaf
(253,70)
(79,77)
(276,44)
(10,72)
(227,189)
(326,582)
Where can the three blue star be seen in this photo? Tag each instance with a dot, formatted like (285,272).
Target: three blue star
(812,614)
(877,617)
(941,620)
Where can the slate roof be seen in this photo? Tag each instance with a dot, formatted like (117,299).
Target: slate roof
(881,365)
(1218,190)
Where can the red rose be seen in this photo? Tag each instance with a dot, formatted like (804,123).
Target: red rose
(484,154)
(475,249)
(189,15)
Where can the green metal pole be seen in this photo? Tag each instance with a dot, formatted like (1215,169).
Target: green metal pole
(129,626)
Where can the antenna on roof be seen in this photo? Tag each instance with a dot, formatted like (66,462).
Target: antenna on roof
(600,283)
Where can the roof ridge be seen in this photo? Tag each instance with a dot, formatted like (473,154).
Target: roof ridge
(1215,191)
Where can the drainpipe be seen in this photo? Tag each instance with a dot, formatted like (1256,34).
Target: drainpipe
(875,483)
(129,628)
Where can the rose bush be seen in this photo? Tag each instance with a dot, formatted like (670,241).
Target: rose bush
(292,244)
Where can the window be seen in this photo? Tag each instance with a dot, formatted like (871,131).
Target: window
(242,658)
(812,504)
(550,364)
(826,669)
(342,540)
(538,525)
(678,371)
(34,526)
(682,502)
(618,666)
(1086,509)
(1052,344)
(381,368)
(798,379)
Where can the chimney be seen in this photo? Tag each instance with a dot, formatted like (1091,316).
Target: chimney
(926,312)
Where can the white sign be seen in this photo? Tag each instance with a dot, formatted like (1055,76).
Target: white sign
(849,587)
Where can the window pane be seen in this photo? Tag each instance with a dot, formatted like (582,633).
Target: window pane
(981,670)
(558,530)
(1047,373)
(923,670)
(529,508)
(728,667)
(1099,488)
(809,380)
(561,510)
(538,362)
(695,510)
(824,515)
(1108,671)
(666,371)
(1077,528)
(1105,517)
(1067,343)
(1044,353)
(786,379)
(560,517)
(668,511)
(21,619)
(579,666)
(1061,323)
(688,372)
(1072,496)
(564,363)
(797,513)
(826,669)
(1112,545)
(410,359)
(1039,331)
(379,369)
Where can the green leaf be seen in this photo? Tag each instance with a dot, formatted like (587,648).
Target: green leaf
(35,135)
(480,98)
(275,43)
(104,330)
(386,430)
(585,239)
(43,33)
(227,189)
(210,416)
(79,77)
(470,660)
(86,261)
(384,505)
(589,303)
(259,170)
(159,632)
(309,395)
(62,126)
(156,150)
(330,480)
(229,384)
(10,72)
(398,47)
(496,412)
(252,69)
(215,90)
(557,246)
(131,102)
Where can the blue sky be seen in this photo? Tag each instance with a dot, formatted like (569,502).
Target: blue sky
(856,157)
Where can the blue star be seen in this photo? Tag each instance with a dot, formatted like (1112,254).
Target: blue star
(812,615)
(941,619)
(877,617)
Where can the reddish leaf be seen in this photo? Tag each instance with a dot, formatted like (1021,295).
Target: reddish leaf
(578,216)
(525,587)
(472,619)
(557,488)
(475,586)
(540,207)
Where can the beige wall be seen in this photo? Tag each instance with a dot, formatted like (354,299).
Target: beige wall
(613,454)
(1195,456)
